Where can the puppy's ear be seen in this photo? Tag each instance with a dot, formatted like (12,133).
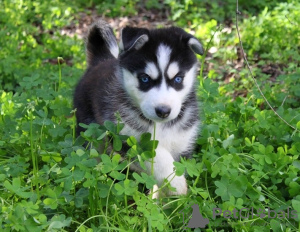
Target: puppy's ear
(189,39)
(101,43)
(133,38)
(196,46)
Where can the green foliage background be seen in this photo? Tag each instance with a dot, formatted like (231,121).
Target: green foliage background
(246,156)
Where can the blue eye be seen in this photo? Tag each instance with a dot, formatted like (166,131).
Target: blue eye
(178,80)
(144,78)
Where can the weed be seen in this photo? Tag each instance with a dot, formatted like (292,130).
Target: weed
(245,157)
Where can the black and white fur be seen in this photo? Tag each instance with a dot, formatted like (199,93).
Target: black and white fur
(152,79)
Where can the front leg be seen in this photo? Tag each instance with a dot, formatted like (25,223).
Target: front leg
(163,168)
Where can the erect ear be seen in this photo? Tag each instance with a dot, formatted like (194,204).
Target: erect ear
(191,41)
(133,38)
(196,46)
(101,43)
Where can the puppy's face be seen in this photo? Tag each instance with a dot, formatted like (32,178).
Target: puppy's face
(159,70)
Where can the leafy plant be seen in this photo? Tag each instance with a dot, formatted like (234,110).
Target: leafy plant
(245,156)
(276,33)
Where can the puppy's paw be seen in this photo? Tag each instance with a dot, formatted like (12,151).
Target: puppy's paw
(155,192)
(179,183)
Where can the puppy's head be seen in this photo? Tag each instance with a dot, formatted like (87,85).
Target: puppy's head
(159,69)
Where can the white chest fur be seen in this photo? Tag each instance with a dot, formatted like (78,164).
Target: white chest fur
(174,139)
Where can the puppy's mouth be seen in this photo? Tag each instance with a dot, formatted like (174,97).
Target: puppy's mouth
(160,114)
(160,120)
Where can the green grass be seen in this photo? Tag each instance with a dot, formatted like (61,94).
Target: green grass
(246,157)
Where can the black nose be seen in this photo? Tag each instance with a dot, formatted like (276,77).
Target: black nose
(163,111)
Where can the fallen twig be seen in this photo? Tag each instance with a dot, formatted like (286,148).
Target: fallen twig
(250,71)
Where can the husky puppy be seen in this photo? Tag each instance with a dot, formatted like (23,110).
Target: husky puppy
(148,78)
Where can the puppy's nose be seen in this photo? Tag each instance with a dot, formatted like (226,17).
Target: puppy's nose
(163,111)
